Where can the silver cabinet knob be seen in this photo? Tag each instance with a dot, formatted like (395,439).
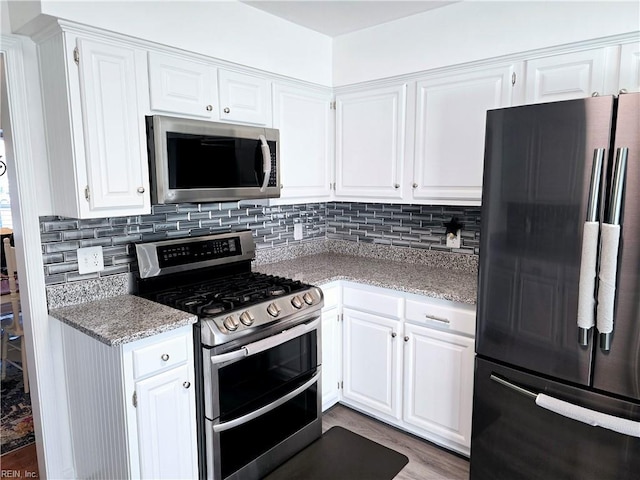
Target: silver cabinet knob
(209,108)
(226,110)
(415,185)
(397,185)
(393,334)
(140,189)
(406,339)
(186,384)
(165,357)
(623,91)
(595,94)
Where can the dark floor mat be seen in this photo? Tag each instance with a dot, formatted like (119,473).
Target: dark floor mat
(341,455)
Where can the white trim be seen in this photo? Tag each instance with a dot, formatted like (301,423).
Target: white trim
(47,387)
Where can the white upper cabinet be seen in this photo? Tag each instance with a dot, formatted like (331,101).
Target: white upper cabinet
(370,141)
(182,86)
(95,132)
(630,67)
(565,77)
(451,114)
(305,120)
(244,98)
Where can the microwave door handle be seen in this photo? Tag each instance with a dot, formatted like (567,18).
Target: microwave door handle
(266,161)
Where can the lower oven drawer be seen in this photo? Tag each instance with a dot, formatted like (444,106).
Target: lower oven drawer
(261,441)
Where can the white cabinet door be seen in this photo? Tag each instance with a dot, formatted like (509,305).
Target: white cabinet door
(244,98)
(630,67)
(304,118)
(565,77)
(370,362)
(331,355)
(116,165)
(370,143)
(178,85)
(450,128)
(438,383)
(167,425)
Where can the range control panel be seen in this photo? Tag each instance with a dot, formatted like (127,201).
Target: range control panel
(179,254)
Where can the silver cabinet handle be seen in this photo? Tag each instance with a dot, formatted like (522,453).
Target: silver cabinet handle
(226,110)
(415,185)
(595,94)
(406,339)
(397,185)
(140,189)
(393,334)
(623,91)
(209,108)
(165,357)
(186,384)
(437,319)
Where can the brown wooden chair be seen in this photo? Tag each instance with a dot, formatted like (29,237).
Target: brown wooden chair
(12,333)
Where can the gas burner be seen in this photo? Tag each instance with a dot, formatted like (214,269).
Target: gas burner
(212,308)
(275,291)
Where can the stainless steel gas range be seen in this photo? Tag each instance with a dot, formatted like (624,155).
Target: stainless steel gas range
(257,350)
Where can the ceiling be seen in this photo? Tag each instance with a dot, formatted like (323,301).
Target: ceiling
(337,17)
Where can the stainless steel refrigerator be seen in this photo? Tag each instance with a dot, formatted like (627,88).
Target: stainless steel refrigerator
(558,326)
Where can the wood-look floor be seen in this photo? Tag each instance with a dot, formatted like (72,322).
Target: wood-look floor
(20,463)
(426,461)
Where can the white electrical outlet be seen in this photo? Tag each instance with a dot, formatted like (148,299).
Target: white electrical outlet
(453,241)
(90,260)
(297,231)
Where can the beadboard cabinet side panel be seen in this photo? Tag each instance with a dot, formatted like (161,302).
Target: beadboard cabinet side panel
(96,404)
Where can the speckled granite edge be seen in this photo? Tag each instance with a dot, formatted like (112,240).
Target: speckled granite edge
(453,261)
(87,290)
(122,319)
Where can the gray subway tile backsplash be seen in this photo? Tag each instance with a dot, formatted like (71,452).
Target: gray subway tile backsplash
(412,226)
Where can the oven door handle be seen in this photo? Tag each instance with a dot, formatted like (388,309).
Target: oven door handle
(221,427)
(266,343)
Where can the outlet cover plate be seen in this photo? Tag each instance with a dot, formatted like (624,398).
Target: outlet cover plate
(90,260)
(455,241)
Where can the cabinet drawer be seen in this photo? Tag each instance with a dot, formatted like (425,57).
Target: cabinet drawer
(442,315)
(374,302)
(160,356)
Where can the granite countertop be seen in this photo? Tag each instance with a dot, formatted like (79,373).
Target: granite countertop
(122,319)
(436,282)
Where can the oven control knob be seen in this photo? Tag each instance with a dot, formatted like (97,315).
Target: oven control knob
(231,323)
(273,310)
(246,318)
(308,299)
(296,301)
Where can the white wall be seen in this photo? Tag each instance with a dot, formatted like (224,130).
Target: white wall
(227,30)
(476,30)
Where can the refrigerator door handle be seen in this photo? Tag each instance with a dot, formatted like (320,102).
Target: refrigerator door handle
(588,416)
(575,412)
(609,245)
(589,258)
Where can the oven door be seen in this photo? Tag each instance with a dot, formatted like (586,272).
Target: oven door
(265,403)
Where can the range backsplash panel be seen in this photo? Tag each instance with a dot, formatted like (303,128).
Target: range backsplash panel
(413,226)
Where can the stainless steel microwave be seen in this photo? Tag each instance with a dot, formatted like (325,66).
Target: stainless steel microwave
(197,161)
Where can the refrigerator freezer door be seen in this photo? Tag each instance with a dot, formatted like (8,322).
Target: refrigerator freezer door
(537,179)
(512,437)
(618,370)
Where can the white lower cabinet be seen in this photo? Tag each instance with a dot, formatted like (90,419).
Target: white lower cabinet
(411,366)
(132,407)
(331,356)
(371,362)
(438,383)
